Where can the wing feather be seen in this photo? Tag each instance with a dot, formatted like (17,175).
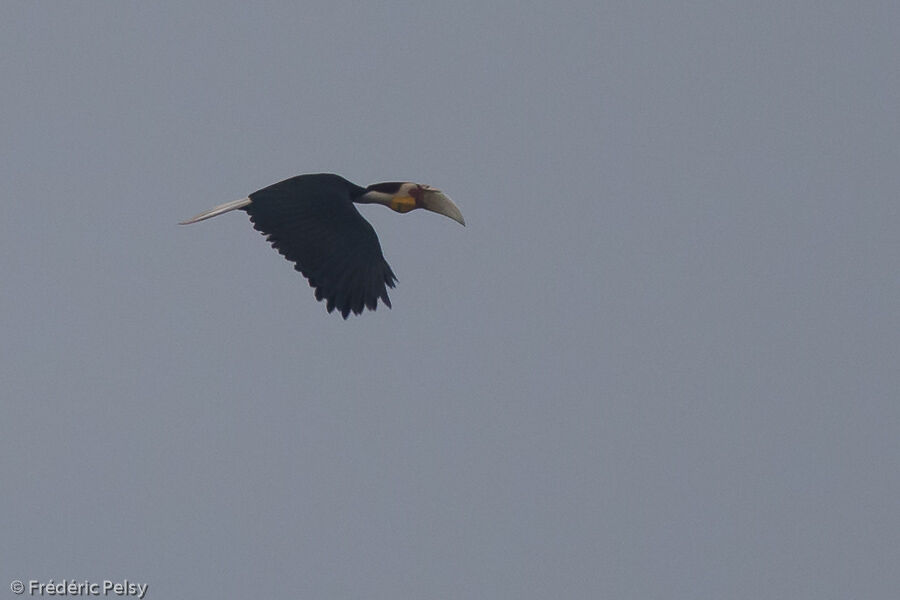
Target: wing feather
(311,221)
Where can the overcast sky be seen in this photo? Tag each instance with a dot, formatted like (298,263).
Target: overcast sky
(661,361)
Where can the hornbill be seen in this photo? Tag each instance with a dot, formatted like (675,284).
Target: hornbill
(311,221)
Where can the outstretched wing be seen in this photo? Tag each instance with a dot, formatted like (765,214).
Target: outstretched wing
(311,221)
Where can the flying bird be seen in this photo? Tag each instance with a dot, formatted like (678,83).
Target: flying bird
(311,221)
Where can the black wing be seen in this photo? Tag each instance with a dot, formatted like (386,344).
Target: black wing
(311,221)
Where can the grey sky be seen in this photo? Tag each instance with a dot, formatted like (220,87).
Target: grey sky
(659,362)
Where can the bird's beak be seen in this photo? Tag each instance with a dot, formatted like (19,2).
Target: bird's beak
(435,201)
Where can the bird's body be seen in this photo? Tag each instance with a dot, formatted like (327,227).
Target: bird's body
(311,221)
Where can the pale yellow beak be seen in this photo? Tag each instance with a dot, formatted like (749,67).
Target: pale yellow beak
(435,201)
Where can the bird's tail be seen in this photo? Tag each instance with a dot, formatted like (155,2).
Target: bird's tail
(218,210)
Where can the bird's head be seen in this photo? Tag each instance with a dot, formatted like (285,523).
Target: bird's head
(405,196)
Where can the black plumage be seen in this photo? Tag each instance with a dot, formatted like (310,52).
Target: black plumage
(312,222)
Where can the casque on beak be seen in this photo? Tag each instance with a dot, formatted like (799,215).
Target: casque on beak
(435,201)
(406,196)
